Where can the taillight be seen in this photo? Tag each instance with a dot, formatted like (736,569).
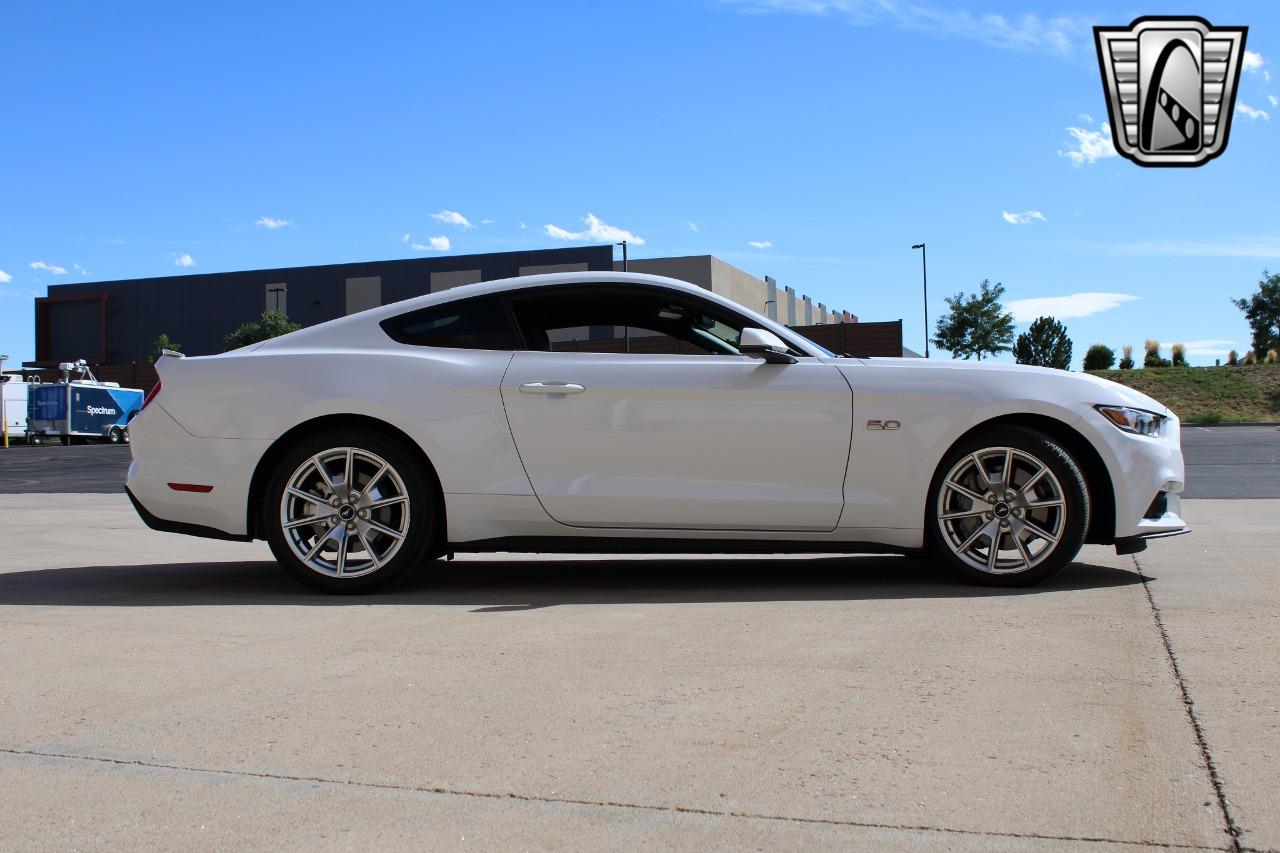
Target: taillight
(151,395)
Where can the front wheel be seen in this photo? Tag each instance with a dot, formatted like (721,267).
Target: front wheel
(1008,507)
(349,511)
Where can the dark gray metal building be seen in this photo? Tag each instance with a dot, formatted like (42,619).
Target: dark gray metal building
(117,322)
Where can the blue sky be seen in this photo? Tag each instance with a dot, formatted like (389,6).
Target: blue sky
(810,140)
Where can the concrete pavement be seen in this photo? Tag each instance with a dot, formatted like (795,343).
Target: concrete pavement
(163,690)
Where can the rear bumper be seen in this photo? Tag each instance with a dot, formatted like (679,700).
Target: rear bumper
(165,457)
(165,526)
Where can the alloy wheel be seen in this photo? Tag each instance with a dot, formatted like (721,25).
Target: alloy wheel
(1001,510)
(345,512)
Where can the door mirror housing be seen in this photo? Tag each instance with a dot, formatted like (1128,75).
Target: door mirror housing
(766,345)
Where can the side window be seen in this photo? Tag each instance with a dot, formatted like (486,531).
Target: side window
(480,323)
(622,320)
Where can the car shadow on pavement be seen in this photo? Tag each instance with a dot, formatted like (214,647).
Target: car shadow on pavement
(498,586)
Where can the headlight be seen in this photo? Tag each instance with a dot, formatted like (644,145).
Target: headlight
(1134,420)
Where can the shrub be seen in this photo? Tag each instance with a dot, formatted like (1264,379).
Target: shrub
(1250,358)
(1099,357)
(1273,357)
(1152,354)
(1126,363)
(1233,358)
(1179,355)
(1211,416)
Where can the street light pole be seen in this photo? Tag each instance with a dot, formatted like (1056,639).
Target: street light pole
(924,271)
(623,244)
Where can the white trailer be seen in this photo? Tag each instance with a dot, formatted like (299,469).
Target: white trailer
(15,405)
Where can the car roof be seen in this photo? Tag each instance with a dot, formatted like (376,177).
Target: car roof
(586,279)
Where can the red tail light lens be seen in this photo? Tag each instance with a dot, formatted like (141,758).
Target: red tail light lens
(151,395)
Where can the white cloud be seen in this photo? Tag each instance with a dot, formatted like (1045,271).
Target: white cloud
(1246,110)
(1066,307)
(486,221)
(1275,102)
(523,226)
(183,260)
(272,224)
(1086,118)
(80,269)
(693,226)
(1024,218)
(760,244)
(595,231)
(1023,33)
(433,244)
(53,268)
(1252,61)
(404,238)
(1090,146)
(452,217)
(1209,348)
(5,278)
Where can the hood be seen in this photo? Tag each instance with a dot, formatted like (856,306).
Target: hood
(1102,391)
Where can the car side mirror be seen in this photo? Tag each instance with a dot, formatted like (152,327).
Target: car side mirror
(760,343)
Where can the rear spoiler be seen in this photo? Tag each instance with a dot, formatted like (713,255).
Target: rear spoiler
(171,354)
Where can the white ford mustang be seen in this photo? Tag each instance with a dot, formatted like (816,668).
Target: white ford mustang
(597,412)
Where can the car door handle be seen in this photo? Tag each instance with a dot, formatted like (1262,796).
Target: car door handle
(552,388)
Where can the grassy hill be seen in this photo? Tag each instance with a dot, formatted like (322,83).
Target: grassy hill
(1209,395)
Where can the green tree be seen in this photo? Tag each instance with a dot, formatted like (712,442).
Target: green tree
(1262,310)
(273,324)
(1044,344)
(1099,357)
(976,324)
(163,343)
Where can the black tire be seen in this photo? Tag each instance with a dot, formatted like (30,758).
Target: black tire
(113,436)
(419,530)
(1024,525)
(124,436)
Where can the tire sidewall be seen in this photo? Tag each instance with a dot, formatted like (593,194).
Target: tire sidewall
(423,511)
(1075,493)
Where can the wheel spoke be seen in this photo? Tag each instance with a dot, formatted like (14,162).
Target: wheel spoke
(324,475)
(368,487)
(971,495)
(306,496)
(975,536)
(1038,532)
(977,462)
(383,529)
(303,522)
(343,539)
(368,549)
(1022,549)
(1007,475)
(968,513)
(379,504)
(349,471)
(1044,504)
(1035,478)
(319,545)
(993,552)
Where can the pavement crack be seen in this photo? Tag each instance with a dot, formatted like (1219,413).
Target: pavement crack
(610,804)
(1215,778)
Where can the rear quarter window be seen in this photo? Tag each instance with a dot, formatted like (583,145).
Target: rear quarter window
(480,323)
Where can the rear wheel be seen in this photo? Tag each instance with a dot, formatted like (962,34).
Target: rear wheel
(349,511)
(1008,507)
(113,436)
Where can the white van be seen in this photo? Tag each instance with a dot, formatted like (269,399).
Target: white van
(15,404)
